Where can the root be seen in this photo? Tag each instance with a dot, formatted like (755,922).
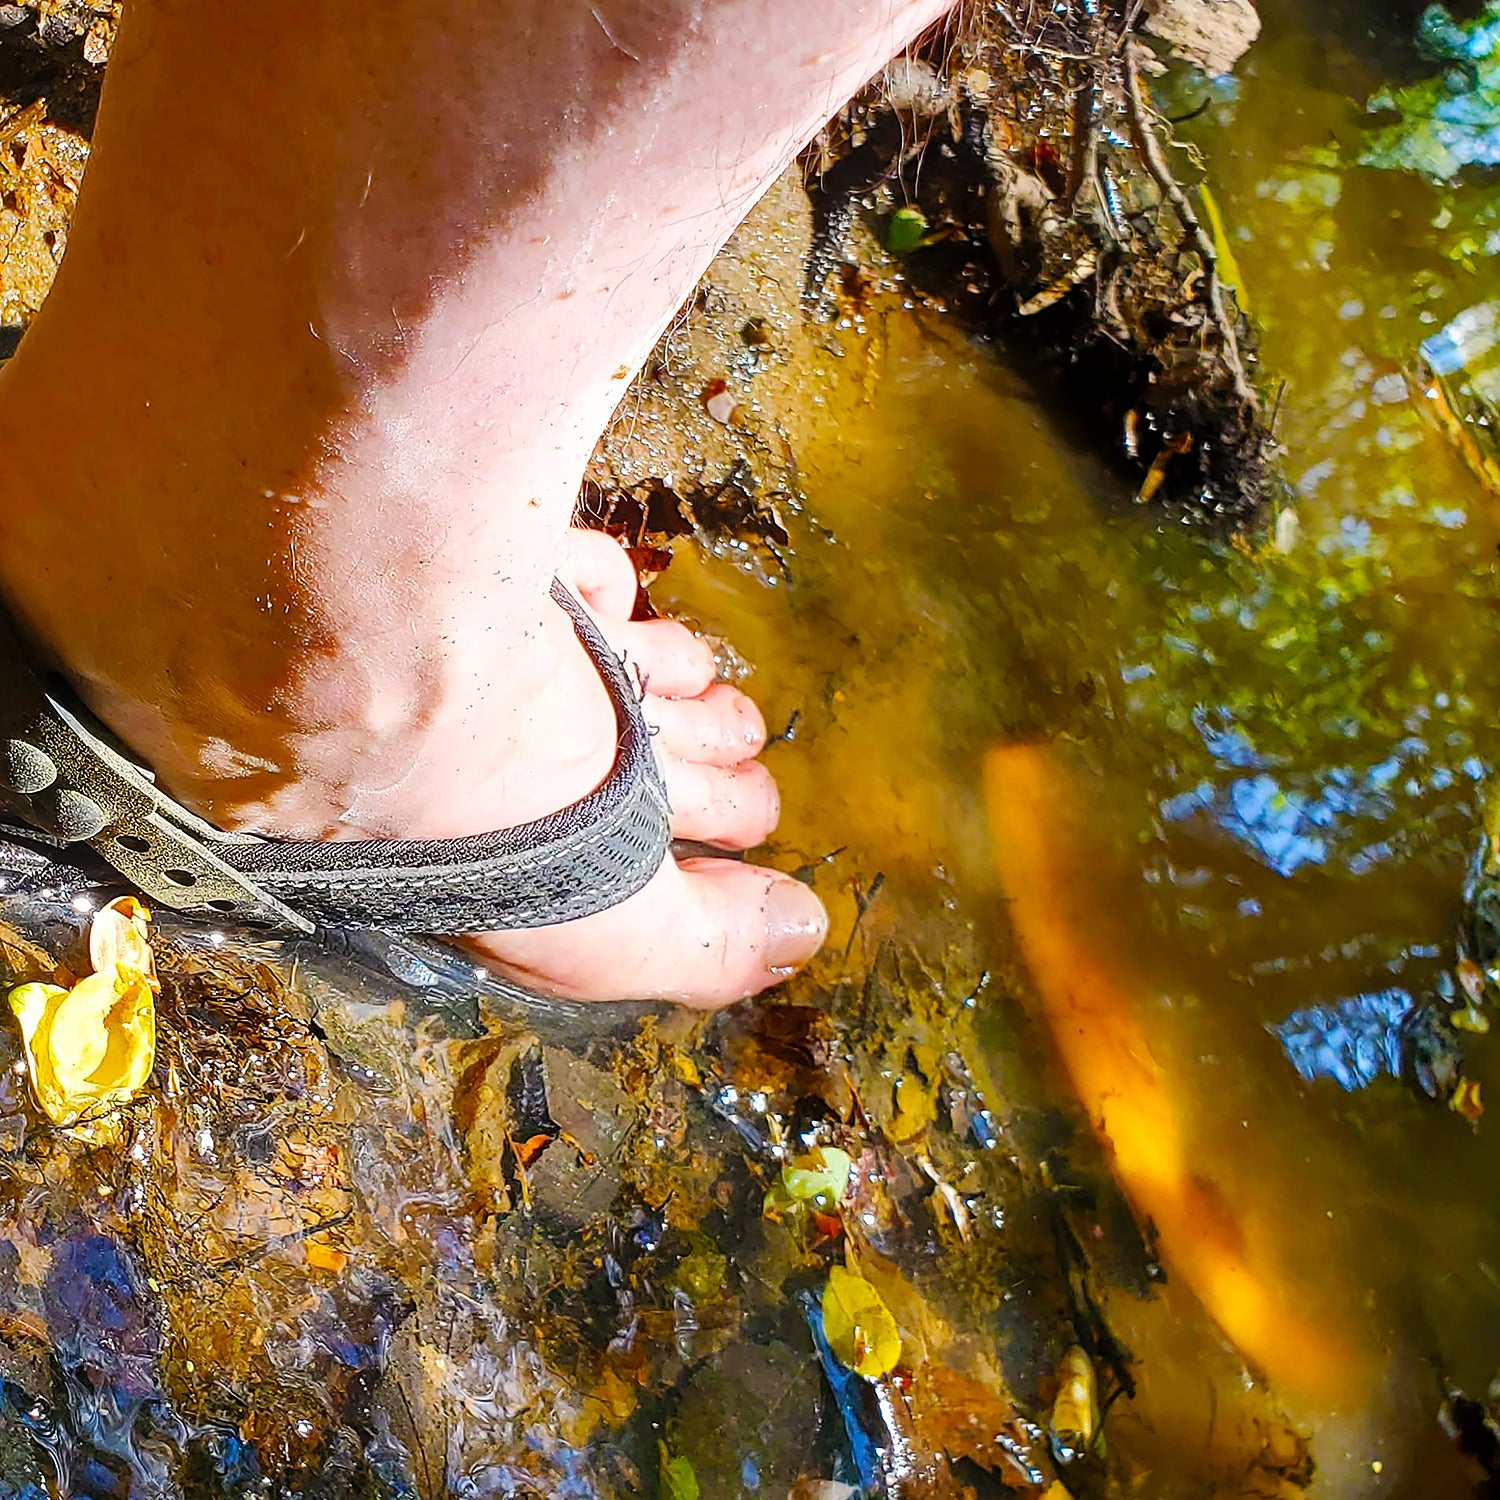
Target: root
(1149,149)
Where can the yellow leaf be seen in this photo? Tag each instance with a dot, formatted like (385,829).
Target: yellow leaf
(118,939)
(1075,1411)
(819,1176)
(858,1325)
(925,1334)
(687,1070)
(1466,1101)
(1470,1018)
(1229,268)
(916,1108)
(324,1257)
(93,1046)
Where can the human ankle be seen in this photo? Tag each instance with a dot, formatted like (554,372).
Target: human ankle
(286,694)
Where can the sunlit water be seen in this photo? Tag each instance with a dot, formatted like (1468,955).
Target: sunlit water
(1278,755)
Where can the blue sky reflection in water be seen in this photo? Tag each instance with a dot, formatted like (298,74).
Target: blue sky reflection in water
(1286,824)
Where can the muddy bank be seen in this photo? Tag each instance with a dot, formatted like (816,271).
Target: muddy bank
(1021,177)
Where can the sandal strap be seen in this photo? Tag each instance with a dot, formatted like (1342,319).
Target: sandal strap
(61,774)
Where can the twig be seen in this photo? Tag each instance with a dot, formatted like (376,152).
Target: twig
(1275,421)
(277,1242)
(22,119)
(1150,151)
(863,900)
(1085,164)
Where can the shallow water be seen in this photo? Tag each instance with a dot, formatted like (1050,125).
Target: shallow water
(1276,756)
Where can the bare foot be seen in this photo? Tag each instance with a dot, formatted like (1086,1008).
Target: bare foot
(346,307)
(704,931)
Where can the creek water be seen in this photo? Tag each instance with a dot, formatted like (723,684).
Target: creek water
(1271,759)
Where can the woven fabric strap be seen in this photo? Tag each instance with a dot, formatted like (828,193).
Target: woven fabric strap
(62,775)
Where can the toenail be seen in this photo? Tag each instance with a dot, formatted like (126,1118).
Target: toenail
(796,924)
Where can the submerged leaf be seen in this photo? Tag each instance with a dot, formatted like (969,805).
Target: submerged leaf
(1472,978)
(1075,1410)
(324,1257)
(678,1481)
(1228,267)
(93,1046)
(969,1417)
(916,1108)
(859,1326)
(819,1177)
(906,230)
(701,1274)
(1466,1100)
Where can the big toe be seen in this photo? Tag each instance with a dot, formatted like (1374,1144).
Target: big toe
(704,932)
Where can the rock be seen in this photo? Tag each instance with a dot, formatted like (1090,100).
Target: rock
(726,390)
(748,1420)
(914,86)
(371,1042)
(578,1176)
(1215,34)
(821,1489)
(481,1113)
(21,1472)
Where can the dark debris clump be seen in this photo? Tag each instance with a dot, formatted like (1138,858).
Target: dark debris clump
(1022,172)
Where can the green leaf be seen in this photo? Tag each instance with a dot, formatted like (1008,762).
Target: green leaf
(906,230)
(820,1176)
(678,1481)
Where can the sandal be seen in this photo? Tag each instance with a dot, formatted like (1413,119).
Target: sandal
(66,785)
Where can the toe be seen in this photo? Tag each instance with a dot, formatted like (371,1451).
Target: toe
(599,570)
(745,929)
(704,932)
(671,661)
(734,807)
(721,727)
